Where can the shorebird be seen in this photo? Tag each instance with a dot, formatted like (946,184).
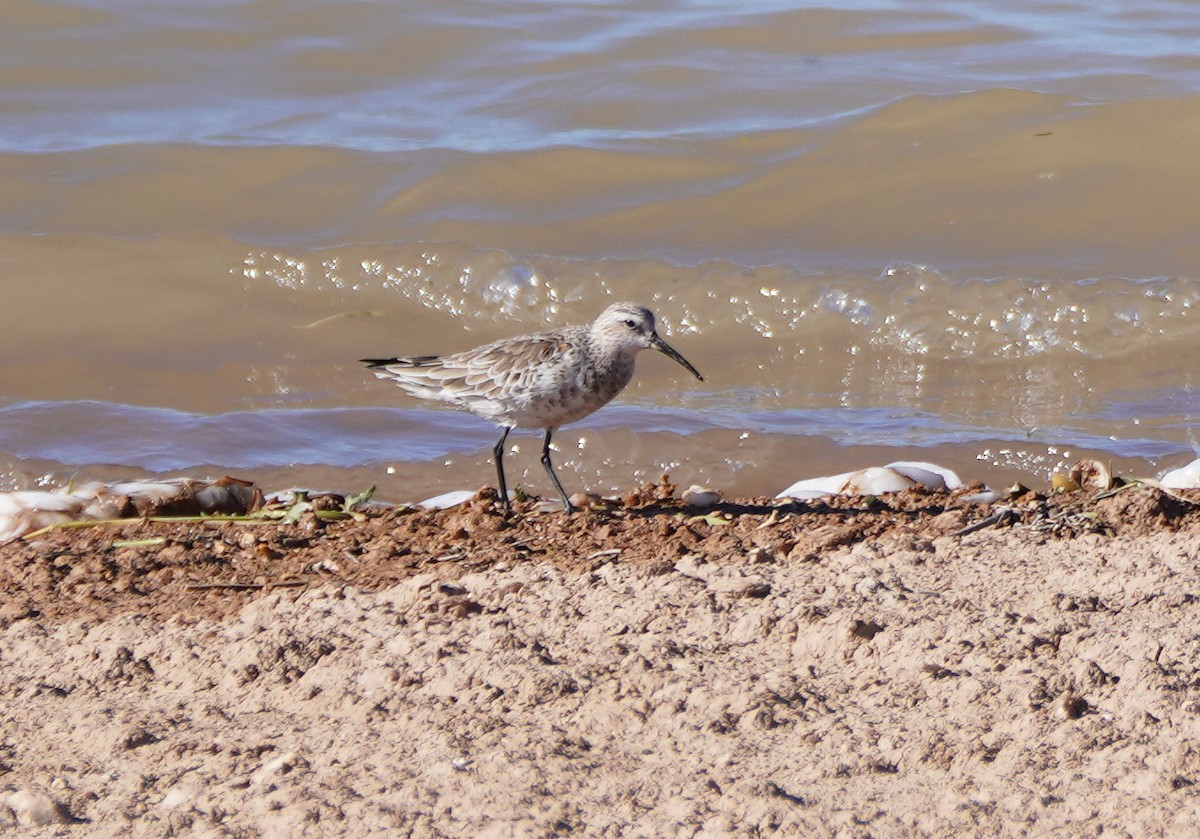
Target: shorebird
(541,381)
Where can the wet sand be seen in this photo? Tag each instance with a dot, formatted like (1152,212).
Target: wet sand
(857,666)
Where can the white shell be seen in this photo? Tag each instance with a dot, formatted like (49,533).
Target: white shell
(447,500)
(874,480)
(1185,477)
(24,511)
(929,475)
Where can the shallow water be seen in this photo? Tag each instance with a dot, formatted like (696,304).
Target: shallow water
(961,231)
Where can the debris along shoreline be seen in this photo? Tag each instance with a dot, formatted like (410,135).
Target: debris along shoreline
(244,539)
(910,662)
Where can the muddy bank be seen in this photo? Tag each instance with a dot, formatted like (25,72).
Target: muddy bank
(861,666)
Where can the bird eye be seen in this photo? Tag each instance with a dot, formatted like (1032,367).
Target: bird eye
(630,322)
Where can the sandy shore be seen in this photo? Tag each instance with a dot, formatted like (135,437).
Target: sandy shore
(855,667)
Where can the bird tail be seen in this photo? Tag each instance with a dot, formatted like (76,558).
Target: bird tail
(410,361)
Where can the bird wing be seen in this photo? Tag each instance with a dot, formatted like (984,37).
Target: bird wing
(508,368)
(491,380)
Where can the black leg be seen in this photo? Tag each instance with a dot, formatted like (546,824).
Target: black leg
(498,454)
(562,493)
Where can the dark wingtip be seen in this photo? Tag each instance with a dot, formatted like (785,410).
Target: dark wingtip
(378,362)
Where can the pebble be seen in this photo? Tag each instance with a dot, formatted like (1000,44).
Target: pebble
(1070,706)
(280,765)
(984,496)
(36,809)
(177,796)
(586,501)
(731,582)
(701,497)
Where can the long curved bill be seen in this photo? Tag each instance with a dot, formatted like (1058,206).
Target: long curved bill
(669,351)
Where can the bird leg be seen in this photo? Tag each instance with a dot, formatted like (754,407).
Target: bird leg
(498,454)
(562,493)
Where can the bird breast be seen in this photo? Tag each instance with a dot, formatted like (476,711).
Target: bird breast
(557,394)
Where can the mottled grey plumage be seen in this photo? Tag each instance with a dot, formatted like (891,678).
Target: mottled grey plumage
(536,381)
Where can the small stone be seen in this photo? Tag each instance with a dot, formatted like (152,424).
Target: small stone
(36,809)
(1070,706)
(15,610)
(587,501)
(735,584)
(984,496)
(694,566)
(327,566)
(276,766)
(867,586)
(463,607)
(180,795)
(701,497)
(866,630)
(759,555)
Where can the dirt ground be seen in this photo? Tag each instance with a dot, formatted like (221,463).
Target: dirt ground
(892,666)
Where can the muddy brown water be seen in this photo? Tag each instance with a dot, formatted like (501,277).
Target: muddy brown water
(964,234)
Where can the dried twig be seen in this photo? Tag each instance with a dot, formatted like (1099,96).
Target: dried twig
(998,517)
(607,552)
